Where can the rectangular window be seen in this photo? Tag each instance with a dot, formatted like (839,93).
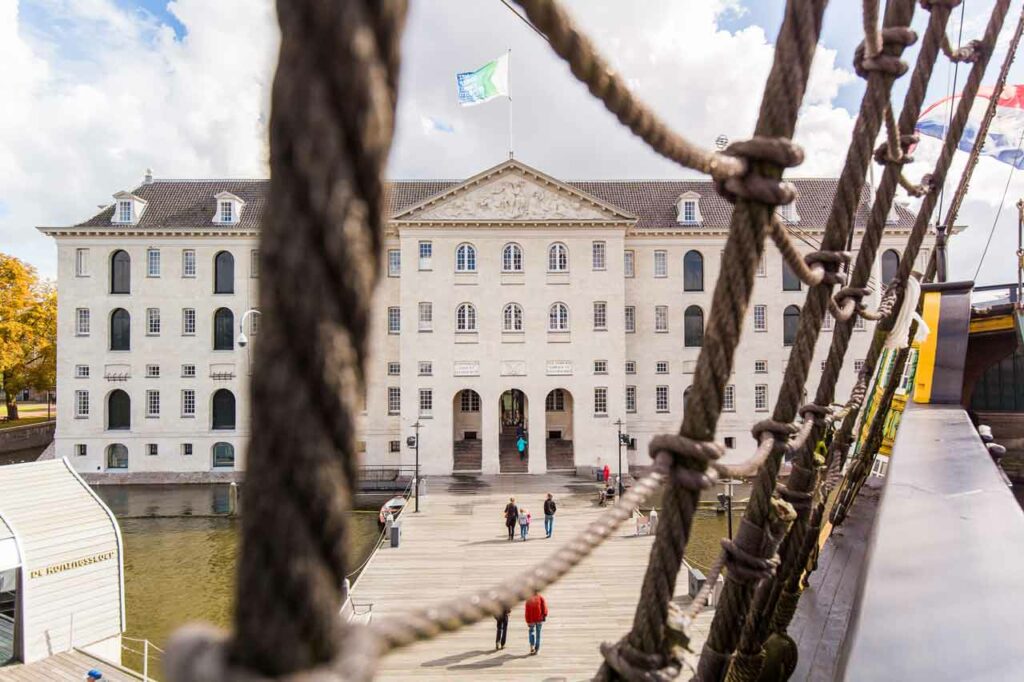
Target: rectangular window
(600,400)
(760,318)
(394,320)
(152,403)
(729,399)
(426,316)
(152,321)
(227,214)
(394,446)
(630,399)
(426,402)
(858,365)
(661,318)
(689,212)
(630,319)
(188,321)
(630,366)
(152,262)
(394,400)
(81,449)
(394,369)
(81,262)
(81,371)
(661,367)
(82,322)
(790,282)
(761,397)
(152,450)
(394,262)
(188,263)
(426,255)
(152,371)
(760,366)
(661,398)
(858,324)
(81,404)
(124,211)
(469,401)
(600,366)
(661,263)
(186,449)
(188,403)
(730,442)
(599,252)
(827,322)
(426,368)
(600,315)
(188,370)
(629,263)
(762,267)
(254,262)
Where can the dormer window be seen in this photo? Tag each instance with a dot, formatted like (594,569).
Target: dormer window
(688,209)
(788,212)
(229,209)
(128,209)
(124,211)
(893,217)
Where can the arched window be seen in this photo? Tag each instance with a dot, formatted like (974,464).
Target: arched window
(223,273)
(790,321)
(512,258)
(465,318)
(223,409)
(223,329)
(465,258)
(558,318)
(555,402)
(513,318)
(790,282)
(890,264)
(693,271)
(223,455)
(693,327)
(120,330)
(558,258)
(119,411)
(120,273)
(117,456)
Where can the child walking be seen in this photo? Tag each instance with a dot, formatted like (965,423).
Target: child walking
(524,523)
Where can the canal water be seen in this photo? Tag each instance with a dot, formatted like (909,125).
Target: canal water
(181,547)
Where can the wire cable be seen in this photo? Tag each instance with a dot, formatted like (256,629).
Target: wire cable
(524,20)
(1002,201)
(952,93)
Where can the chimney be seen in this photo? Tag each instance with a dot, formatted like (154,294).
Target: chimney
(149,176)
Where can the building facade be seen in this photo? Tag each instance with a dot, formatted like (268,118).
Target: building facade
(521,321)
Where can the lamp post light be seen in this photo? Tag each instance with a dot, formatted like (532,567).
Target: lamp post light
(243,340)
(725,499)
(416,476)
(623,440)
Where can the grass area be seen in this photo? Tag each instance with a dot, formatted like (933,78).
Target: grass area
(22,422)
(29,410)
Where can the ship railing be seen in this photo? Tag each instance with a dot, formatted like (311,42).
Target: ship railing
(146,650)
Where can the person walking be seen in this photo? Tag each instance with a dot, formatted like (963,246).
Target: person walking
(536,614)
(607,473)
(549,515)
(502,624)
(511,516)
(524,522)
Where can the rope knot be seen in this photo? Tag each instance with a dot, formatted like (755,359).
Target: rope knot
(754,185)
(883,154)
(829,262)
(814,410)
(750,555)
(632,664)
(781,430)
(848,301)
(967,54)
(894,40)
(798,490)
(690,459)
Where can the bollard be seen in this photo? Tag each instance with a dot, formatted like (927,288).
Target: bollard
(396,533)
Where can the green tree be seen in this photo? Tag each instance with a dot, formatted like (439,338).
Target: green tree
(28,331)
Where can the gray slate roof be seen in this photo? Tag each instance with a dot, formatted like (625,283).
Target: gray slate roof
(184,204)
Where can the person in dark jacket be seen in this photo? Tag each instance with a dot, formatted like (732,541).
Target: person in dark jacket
(549,515)
(502,633)
(511,517)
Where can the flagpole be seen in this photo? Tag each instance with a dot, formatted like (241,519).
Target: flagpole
(510,103)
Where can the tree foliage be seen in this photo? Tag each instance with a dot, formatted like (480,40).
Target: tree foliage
(28,330)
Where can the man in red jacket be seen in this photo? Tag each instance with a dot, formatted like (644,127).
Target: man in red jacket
(536,614)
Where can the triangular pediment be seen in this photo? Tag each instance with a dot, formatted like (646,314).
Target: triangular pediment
(513,192)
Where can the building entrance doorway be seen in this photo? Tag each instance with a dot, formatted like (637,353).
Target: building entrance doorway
(466,427)
(558,413)
(514,438)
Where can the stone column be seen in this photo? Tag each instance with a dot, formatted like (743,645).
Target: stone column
(490,429)
(538,463)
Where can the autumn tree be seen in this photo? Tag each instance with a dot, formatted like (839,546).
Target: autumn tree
(28,331)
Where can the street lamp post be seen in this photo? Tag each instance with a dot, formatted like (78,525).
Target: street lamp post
(416,479)
(242,338)
(619,423)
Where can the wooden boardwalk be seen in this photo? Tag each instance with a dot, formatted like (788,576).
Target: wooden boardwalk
(457,544)
(70,666)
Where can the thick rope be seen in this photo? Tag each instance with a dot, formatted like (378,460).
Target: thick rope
(880,71)
(594,71)
(333,113)
(783,95)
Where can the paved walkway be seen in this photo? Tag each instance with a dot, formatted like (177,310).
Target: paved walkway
(457,543)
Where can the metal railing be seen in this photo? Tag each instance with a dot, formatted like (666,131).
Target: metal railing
(148,649)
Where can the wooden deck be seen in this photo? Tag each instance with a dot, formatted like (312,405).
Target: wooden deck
(457,544)
(70,666)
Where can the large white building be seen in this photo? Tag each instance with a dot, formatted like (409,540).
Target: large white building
(512,303)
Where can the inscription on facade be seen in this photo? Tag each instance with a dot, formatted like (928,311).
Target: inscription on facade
(513,368)
(70,565)
(466,368)
(559,368)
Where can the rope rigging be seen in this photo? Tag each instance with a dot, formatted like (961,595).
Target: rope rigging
(333,116)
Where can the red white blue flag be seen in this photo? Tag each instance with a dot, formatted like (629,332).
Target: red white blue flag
(1004,133)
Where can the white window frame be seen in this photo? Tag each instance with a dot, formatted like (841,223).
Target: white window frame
(631,399)
(188,263)
(600,366)
(188,402)
(558,317)
(661,404)
(600,315)
(426,255)
(512,257)
(188,321)
(630,367)
(661,319)
(188,370)
(394,369)
(760,366)
(465,257)
(760,397)
(152,262)
(558,257)
(762,266)
(152,371)
(512,318)
(187,450)
(152,403)
(425,368)
(81,404)
(600,401)
(760,318)
(81,449)
(729,399)
(827,322)
(394,320)
(226,211)
(469,401)
(660,263)
(125,211)
(81,262)
(661,367)
(394,400)
(629,263)
(426,402)
(858,323)
(599,255)
(465,318)
(630,318)
(394,262)
(81,371)
(425,316)
(254,263)
(152,322)
(83,320)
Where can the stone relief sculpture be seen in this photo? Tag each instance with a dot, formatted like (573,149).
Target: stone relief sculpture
(513,198)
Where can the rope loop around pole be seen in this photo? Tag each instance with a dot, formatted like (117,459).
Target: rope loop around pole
(965,54)
(847,302)
(781,430)
(894,40)
(691,459)
(907,141)
(752,184)
(824,259)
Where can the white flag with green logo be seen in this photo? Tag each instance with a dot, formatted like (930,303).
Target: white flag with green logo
(484,84)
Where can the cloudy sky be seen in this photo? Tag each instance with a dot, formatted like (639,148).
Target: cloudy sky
(96,91)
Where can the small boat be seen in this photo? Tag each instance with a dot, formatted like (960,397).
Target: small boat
(390,508)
